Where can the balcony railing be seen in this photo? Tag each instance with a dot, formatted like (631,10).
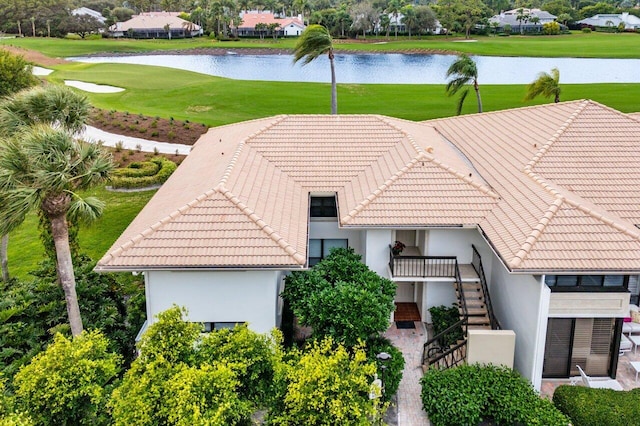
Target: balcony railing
(422,266)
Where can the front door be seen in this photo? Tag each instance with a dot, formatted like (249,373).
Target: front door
(405,292)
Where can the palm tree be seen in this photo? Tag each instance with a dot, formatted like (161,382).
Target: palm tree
(43,168)
(463,71)
(313,42)
(546,85)
(394,8)
(54,106)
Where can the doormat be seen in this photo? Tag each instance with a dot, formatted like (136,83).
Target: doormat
(405,325)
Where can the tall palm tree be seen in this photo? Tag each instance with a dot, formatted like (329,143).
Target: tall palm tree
(313,42)
(43,168)
(546,85)
(463,71)
(54,105)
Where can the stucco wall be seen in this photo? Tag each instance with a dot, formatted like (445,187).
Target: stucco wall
(521,304)
(454,242)
(329,229)
(377,250)
(216,296)
(436,293)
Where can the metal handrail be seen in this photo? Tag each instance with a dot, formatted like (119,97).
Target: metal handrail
(476,262)
(435,344)
(422,266)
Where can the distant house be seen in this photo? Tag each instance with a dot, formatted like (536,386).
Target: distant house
(630,22)
(398,21)
(287,27)
(154,25)
(90,12)
(510,17)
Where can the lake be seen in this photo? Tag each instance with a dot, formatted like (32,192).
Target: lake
(388,68)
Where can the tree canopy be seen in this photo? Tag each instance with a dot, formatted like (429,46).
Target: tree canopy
(546,85)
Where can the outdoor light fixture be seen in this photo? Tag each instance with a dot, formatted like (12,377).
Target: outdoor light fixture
(383,357)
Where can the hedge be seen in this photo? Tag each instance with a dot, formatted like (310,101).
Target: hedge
(164,169)
(391,374)
(471,394)
(589,406)
(139,169)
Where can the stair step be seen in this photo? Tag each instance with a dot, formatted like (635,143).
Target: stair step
(474,311)
(481,320)
(478,327)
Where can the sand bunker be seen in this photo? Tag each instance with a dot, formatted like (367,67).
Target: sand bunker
(39,71)
(93,88)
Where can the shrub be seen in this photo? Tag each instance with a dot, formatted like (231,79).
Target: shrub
(154,124)
(138,177)
(391,375)
(551,28)
(119,146)
(171,135)
(586,30)
(443,317)
(138,147)
(155,134)
(326,385)
(470,394)
(341,297)
(588,406)
(68,382)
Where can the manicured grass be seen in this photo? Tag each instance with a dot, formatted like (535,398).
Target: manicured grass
(576,44)
(215,101)
(25,247)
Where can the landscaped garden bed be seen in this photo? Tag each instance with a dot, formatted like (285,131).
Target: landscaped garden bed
(145,127)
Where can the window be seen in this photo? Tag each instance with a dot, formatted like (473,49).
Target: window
(211,326)
(323,207)
(320,248)
(586,282)
(579,341)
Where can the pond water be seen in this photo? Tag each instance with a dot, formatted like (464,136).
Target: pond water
(389,68)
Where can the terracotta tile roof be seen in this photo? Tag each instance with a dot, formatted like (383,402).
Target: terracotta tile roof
(153,21)
(557,183)
(249,20)
(240,200)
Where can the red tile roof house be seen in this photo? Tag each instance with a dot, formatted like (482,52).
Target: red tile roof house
(288,27)
(154,25)
(544,201)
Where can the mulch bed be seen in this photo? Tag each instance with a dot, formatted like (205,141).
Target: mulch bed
(144,127)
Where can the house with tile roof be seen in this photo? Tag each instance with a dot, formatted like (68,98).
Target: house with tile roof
(287,27)
(155,25)
(510,17)
(611,20)
(528,218)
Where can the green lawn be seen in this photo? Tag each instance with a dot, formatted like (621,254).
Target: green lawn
(215,101)
(577,44)
(25,248)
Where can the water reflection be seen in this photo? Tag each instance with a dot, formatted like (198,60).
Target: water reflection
(390,68)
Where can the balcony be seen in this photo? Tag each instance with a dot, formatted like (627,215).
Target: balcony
(411,265)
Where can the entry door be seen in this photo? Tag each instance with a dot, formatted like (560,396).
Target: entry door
(404,292)
(557,351)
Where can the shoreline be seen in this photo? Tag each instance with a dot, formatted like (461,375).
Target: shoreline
(220,51)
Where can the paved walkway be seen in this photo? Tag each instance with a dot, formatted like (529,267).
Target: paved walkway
(93,134)
(410,342)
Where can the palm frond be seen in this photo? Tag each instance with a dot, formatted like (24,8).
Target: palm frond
(545,85)
(85,210)
(313,42)
(14,206)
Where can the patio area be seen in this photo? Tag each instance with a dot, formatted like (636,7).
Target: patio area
(625,375)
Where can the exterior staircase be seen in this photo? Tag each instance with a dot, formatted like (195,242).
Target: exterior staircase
(449,348)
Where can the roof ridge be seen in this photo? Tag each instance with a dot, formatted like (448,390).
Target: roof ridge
(386,120)
(257,220)
(603,217)
(151,229)
(541,106)
(543,150)
(535,233)
(421,157)
(375,194)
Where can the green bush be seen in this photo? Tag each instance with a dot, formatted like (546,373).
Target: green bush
(551,28)
(586,30)
(588,406)
(392,374)
(471,394)
(443,317)
(138,177)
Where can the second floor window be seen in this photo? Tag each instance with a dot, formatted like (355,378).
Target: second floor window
(323,207)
